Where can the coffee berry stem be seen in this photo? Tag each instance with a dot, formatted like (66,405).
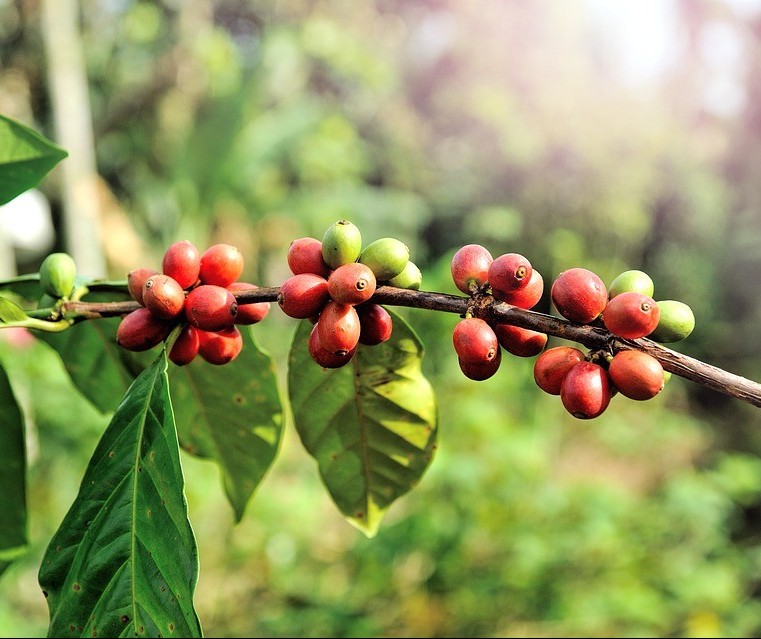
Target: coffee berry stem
(487,308)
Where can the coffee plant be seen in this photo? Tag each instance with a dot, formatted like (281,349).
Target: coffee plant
(172,351)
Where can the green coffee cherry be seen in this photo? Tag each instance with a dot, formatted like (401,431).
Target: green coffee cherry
(57,274)
(386,257)
(341,244)
(676,322)
(636,281)
(410,277)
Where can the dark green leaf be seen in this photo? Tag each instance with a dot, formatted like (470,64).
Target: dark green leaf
(124,562)
(233,415)
(13,537)
(10,311)
(25,158)
(370,425)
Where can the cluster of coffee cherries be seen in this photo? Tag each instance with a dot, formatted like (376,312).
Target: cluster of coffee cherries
(510,278)
(332,283)
(195,292)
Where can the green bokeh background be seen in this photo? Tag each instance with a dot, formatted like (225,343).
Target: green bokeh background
(442,123)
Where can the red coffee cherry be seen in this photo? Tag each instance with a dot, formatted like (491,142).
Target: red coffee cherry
(141,330)
(579,295)
(585,391)
(375,323)
(339,328)
(636,375)
(509,272)
(221,265)
(211,308)
(474,341)
(631,315)
(220,347)
(182,263)
(163,296)
(305,256)
(303,296)
(352,283)
(252,313)
(518,341)
(480,371)
(470,267)
(526,297)
(135,281)
(551,367)
(185,347)
(324,357)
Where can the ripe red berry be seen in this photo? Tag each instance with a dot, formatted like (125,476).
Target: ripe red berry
(479,371)
(636,374)
(141,330)
(135,281)
(351,283)
(303,296)
(474,341)
(470,267)
(305,256)
(551,367)
(324,357)
(526,297)
(518,341)
(220,347)
(163,296)
(221,265)
(182,263)
(252,313)
(339,327)
(585,391)
(631,315)
(211,308)
(509,272)
(579,295)
(376,324)
(185,347)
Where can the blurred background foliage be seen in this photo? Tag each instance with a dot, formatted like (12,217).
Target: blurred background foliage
(606,135)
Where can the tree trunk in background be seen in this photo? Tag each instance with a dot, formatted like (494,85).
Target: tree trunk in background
(67,79)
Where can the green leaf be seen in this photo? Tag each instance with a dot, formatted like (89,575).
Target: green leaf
(25,158)
(124,562)
(13,517)
(370,425)
(233,415)
(10,311)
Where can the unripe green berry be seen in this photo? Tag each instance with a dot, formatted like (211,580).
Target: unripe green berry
(342,244)
(631,281)
(676,322)
(386,257)
(57,274)
(410,278)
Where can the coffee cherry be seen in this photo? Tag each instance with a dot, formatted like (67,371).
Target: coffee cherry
(324,357)
(141,330)
(135,281)
(631,315)
(163,296)
(410,278)
(474,341)
(521,342)
(221,265)
(470,267)
(251,313)
(182,262)
(526,297)
(375,324)
(480,371)
(185,347)
(631,281)
(636,375)
(303,296)
(57,274)
(387,257)
(211,308)
(675,323)
(509,272)
(579,295)
(305,256)
(551,367)
(352,283)
(341,244)
(220,347)
(585,391)
(339,327)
